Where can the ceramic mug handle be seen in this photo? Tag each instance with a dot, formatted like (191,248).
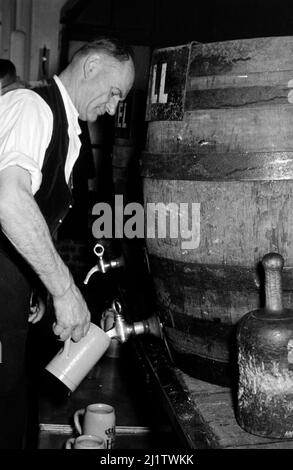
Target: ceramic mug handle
(76,417)
(69,443)
(66,348)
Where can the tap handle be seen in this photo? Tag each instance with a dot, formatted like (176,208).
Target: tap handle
(99,250)
(273,264)
(120,329)
(116,307)
(108,320)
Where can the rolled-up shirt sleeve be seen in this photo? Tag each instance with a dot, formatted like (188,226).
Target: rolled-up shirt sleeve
(26,124)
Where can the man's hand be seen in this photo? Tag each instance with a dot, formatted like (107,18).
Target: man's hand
(72,314)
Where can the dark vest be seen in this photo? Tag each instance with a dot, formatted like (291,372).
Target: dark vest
(54,195)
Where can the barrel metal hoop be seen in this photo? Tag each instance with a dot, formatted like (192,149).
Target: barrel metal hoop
(208,164)
(202,276)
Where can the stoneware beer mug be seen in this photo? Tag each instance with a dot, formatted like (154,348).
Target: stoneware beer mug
(98,420)
(74,361)
(85,442)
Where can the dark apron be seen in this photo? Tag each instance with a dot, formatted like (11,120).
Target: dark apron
(14,310)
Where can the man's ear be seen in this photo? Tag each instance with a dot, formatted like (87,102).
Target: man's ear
(91,65)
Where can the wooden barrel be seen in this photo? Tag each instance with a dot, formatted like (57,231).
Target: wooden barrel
(220,136)
(130,130)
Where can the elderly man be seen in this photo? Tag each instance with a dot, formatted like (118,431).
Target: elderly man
(39,145)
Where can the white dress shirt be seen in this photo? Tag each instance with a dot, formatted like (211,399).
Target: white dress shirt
(26,125)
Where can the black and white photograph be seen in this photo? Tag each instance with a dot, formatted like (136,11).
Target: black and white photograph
(146,230)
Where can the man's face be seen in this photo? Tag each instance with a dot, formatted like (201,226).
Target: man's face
(107,81)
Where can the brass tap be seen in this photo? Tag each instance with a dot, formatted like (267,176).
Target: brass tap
(102,266)
(123,330)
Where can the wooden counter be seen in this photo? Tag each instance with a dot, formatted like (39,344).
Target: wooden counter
(201,413)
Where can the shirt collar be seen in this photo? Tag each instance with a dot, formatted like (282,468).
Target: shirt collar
(70,109)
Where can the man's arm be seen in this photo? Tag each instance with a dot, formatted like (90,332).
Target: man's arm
(25,227)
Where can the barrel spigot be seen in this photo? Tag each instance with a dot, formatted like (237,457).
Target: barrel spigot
(102,266)
(123,330)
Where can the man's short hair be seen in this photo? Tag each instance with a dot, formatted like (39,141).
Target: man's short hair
(7,71)
(113,47)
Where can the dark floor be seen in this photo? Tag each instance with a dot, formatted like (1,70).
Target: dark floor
(140,421)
